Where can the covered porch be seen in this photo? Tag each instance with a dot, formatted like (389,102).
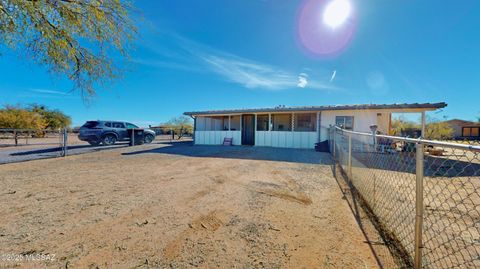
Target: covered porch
(283,130)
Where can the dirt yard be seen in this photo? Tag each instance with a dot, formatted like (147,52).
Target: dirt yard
(179,206)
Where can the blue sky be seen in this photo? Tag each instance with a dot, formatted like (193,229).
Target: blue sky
(200,55)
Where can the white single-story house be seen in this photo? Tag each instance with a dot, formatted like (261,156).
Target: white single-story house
(294,127)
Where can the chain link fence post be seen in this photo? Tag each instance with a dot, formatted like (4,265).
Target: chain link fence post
(61,142)
(419,205)
(65,142)
(15,136)
(350,156)
(334,144)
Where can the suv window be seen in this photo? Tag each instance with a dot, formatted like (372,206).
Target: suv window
(131,126)
(118,125)
(91,124)
(108,124)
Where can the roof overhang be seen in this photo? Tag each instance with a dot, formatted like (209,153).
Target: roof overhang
(393,107)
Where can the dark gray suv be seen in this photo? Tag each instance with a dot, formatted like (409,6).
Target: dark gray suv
(109,132)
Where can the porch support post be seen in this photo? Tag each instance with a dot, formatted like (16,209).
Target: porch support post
(241,122)
(269,121)
(293,122)
(194,128)
(424,120)
(229,122)
(319,131)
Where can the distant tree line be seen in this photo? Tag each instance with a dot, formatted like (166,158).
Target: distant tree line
(434,129)
(33,116)
(179,126)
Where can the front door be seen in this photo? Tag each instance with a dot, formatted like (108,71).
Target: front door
(248,130)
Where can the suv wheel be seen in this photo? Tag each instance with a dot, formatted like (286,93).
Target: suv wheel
(109,140)
(148,139)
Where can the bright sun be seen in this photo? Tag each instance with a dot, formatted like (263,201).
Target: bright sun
(336,13)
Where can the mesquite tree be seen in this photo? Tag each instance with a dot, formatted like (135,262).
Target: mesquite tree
(78,39)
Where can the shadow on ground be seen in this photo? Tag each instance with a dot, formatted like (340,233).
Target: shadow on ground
(73,148)
(387,251)
(308,156)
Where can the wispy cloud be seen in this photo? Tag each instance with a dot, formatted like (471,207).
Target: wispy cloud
(334,74)
(193,56)
(46,94)
(302,80)
(248,73)
(46,91)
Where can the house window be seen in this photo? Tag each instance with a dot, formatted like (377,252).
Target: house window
(200,124)
(475,132)
(216,123)
(262,122)
(305,122)
(282,122)
(235,123)
(471,131)
(344,122)
(224,123)
(212,123)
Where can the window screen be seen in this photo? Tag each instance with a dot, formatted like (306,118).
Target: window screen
(235,123)
(305,122)
(344,122)
(262,122)
(282,122)
(475,132)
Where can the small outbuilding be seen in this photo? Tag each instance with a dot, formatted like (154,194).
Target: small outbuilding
(463,129)
(294,127)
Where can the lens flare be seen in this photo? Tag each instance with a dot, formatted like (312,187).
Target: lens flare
(336,13)
(325,28)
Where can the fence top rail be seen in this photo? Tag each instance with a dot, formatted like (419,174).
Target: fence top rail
(416,140)
(28,130)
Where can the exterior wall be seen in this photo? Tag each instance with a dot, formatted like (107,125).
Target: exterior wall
(280,139)
(457,126)
(216,137)
(457,129)
(383,122)
(362,120)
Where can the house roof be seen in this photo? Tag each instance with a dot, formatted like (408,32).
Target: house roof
(463,123)
(426,106)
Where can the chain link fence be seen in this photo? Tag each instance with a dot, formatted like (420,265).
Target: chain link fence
(17,145)
(424,195)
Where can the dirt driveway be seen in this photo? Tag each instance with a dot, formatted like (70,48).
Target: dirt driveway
(179,206)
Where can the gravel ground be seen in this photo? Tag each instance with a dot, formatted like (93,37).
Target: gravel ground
(179,206)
